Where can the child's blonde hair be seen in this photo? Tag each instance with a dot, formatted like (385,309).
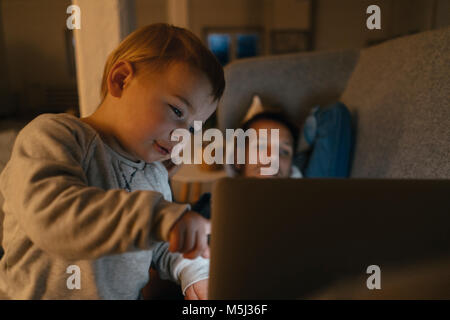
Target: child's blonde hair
(158,45)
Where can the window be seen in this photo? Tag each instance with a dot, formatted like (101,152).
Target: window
(235,43)
(220,45)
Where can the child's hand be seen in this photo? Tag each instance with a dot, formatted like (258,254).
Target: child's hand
(197,291)
(189,236)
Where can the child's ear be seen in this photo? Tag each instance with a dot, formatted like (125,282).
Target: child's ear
(120,75)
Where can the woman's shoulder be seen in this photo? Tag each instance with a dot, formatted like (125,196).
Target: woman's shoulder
(295,172)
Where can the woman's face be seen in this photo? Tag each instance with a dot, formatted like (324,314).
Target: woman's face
(286,150)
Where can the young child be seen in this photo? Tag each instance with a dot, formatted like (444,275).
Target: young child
(87,202)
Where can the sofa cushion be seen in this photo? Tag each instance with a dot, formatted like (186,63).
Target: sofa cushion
(399,94)
(293,82)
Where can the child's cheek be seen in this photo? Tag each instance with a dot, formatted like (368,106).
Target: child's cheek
(154,120)
(164,126)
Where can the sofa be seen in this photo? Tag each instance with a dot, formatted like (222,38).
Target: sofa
(398,94)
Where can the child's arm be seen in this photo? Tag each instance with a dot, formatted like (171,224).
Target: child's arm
(46,189)
(174,267)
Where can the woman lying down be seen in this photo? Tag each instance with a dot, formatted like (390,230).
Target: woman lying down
(322,149)
(287,140)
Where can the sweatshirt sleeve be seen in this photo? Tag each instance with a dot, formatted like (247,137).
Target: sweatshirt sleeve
(172,266)
(45,188)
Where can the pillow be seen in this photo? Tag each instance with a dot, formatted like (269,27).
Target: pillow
(255,108)
(329,138)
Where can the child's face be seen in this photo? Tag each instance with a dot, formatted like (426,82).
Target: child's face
(153,104)
(285,150)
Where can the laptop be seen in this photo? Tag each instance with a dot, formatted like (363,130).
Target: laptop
(293,238)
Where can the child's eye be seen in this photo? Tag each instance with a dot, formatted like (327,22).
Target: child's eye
(285,153)
(177,111)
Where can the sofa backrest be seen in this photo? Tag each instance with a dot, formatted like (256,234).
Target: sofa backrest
(399,94)
(293,82)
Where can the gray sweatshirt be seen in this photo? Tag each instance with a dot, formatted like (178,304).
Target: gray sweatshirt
(76,210)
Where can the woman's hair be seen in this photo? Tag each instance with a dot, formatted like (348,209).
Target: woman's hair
(158,45)
(277,117)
